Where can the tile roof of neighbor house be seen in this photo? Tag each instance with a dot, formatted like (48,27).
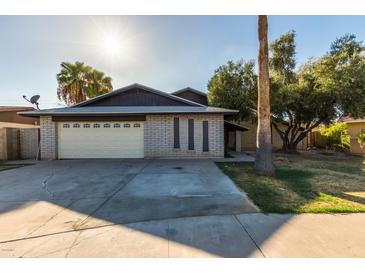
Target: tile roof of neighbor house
(81,109)
(14,108)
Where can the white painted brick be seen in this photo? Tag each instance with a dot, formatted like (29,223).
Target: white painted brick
(48,138)
(159,136)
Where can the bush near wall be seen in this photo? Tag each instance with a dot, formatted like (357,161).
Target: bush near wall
(336,136)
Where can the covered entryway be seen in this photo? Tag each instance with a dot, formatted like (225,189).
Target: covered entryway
(78,140)
(233,135)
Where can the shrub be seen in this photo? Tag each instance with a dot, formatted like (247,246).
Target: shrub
(336,136)
(361,140)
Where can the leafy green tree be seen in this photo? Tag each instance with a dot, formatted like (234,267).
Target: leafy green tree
(234,86)
(282,60)
(336,135)
(320,92)
(77,82)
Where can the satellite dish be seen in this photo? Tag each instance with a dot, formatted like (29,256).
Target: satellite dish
(34,99)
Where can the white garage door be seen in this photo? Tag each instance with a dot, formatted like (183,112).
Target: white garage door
(100,140)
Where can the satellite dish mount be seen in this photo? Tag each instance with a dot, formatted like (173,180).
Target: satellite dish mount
(33,100)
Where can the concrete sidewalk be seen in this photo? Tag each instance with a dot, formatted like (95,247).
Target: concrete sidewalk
(243,235)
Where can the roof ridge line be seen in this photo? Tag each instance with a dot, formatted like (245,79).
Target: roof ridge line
(124,89)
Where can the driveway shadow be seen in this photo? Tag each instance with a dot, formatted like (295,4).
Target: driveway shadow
(43,203)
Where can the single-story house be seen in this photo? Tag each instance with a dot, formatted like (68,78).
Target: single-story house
(18,135)
(133,122)
(354,128)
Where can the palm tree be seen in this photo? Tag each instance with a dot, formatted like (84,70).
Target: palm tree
(263,160)
(98,84)
(77,82)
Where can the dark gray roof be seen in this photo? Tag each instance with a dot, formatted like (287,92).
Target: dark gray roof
(124,89)
(189,89)
(117,111)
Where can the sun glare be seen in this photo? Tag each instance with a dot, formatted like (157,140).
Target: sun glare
(112,45)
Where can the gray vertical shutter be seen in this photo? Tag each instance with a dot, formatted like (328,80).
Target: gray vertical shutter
(176,133)
(191,134)
(205,136)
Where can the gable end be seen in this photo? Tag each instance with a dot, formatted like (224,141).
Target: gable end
(136,95)
(192,95)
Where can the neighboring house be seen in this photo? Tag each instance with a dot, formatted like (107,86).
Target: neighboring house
(133,122)
(9,118)
(18,135)
(354,128)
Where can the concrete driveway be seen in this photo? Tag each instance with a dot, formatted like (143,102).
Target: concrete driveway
(61,196)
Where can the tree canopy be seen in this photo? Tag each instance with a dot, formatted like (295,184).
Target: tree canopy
(234,85)
(322,91)
(77,82)
(318,92)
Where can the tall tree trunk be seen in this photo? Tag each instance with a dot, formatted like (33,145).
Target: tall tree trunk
(263,160)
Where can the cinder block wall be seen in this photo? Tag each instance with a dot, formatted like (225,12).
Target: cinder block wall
(48,138)
(159,136)
(12,144)
(3,153)
(29,143)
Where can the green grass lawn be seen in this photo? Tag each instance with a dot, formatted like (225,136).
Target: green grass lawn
(305,183)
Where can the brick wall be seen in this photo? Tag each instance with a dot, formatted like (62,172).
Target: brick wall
(159,139)
(28,143)
(48,138)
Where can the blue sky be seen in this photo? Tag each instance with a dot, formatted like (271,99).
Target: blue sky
(164,52)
